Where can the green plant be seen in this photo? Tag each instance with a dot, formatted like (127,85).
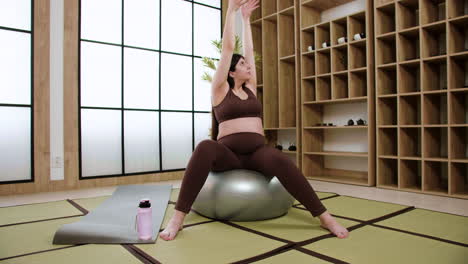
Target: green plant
(210,63)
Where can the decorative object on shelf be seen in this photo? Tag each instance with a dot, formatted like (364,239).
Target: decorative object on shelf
(342,40)
(330,124)
(310,48)
(318,124)
(359,36)
(361,122)
(279,147)
(326,44)
(350,122)
(292,147)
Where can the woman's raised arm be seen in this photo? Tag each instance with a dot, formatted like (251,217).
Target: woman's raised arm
(220,76)
(247,10)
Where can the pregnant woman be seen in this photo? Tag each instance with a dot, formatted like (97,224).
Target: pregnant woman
(238,142)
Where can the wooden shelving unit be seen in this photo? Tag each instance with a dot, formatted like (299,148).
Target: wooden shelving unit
(337,84)
(275,37)
(422,95)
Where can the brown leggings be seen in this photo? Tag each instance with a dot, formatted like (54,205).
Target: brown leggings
(245,150)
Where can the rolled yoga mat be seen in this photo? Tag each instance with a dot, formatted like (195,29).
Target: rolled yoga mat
(113,221)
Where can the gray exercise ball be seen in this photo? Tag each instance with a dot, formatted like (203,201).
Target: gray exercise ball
(242,195)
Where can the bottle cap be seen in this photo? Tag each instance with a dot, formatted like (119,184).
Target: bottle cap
(144,203)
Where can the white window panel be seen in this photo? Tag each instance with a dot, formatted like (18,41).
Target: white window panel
(176,82)
(141,23)
(141,79)
(15,14)
(202,89)
(207,27)
(202,127)
(176,23)
(101,142)
(176,129)
(15,67)
(101,20)
(101,80)
(15,143)
(215,3)
(141,141)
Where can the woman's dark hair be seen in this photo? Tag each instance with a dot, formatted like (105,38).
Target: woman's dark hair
(214,123)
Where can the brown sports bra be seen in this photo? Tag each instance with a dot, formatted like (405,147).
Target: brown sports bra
(233,107)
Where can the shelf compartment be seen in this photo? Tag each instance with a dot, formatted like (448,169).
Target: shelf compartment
(432,11)
(356,25)
(323,61)
(409,78)
(357,55)
(308,39)
(283,4)
(410,110)
(410,142)
(434,75)
(287,94)
(435,177)
(358,84)
(458,35)
(268,8)
(286,35)
(385,19)
(312,140)
(459,107)
(433,40)
(408,14)
(322,32)
(457,8)
(435,142)
(257,43)
(408,45)
(323,88)
(339,86)
(309,15)
(386,81)
(388,173)
(308,65)
(311,115)
(459,178)
(339,59)
(387,111)
(308,89)
(387,143)
(411,174)
(386,49)
(459,143)
(458,72)
(270,73)
(435,109)
(339,28)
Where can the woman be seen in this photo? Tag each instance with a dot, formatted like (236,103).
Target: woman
(241,142)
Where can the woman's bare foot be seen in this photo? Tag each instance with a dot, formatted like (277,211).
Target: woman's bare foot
(174,226)
(329,223)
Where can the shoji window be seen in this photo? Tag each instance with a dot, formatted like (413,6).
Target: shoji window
(16,91)
(143,105)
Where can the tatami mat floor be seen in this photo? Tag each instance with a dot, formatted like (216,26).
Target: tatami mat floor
(431,202)
(381,223)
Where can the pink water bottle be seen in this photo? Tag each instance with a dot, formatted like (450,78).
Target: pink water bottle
(145,220)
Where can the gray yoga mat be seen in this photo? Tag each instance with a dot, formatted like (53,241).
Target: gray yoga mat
(113,221)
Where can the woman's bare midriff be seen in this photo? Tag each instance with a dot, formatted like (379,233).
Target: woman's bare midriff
(242,124)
